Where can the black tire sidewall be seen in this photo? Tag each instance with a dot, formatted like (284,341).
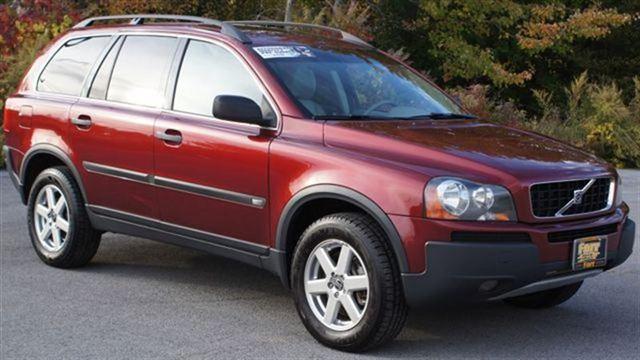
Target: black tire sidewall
(367,325)
(59,179)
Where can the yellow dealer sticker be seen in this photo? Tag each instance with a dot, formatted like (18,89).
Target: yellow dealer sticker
(589,252)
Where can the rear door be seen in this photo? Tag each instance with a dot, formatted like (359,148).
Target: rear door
(112,128)
(212,175)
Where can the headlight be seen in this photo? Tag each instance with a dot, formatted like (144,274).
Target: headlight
(459,199)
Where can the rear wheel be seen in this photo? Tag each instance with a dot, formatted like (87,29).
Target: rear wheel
(545,299)
(60,231)
(346,283)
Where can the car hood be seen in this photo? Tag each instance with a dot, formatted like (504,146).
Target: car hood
(468,148)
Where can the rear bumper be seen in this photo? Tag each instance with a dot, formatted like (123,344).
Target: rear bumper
(9,166)
(490,271)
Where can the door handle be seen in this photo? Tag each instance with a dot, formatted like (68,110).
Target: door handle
(170,136)
(83,121)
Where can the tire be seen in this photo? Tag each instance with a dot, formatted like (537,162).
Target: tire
(77,245)
(545,299)
(381,306)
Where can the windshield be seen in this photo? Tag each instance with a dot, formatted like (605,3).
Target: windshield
(354,84)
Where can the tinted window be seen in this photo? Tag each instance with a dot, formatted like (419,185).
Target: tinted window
(140,73)
(101,80)
(66,71)
(209,70)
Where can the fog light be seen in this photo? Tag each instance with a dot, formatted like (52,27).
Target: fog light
(488,285)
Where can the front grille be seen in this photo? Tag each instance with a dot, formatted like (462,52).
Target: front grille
(570,235)
(467,236)
(548,198)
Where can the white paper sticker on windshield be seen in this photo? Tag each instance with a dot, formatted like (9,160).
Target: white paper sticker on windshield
(274,52)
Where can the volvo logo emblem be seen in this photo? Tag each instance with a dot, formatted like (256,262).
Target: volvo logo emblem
(336,282)
(577,198)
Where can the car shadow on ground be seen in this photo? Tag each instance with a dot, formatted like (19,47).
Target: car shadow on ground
(123,256)
(429,331)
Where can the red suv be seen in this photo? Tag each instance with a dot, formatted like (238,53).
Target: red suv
(302,150)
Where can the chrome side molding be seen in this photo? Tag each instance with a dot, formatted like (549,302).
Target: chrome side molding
(177,185)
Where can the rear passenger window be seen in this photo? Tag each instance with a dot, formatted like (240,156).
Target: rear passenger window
(101,80)
(141,69)
(209,70)
(67,69)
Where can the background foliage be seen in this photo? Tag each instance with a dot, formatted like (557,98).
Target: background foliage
(568,69)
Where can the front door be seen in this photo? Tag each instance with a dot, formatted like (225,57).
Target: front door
(212,175)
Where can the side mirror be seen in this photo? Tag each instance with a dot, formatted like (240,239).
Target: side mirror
(237,108)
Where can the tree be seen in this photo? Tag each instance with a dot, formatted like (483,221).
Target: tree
(288,11)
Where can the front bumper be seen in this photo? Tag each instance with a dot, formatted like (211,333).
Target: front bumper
(489,271)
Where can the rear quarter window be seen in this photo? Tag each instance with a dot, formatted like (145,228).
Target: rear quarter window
(66,71)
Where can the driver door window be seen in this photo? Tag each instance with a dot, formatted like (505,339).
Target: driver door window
(209,70)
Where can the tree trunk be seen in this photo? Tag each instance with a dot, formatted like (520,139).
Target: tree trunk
(288,10)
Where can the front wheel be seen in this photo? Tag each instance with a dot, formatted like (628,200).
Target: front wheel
(346,283)
(545,299)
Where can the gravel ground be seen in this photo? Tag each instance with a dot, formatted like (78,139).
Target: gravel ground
(141,299)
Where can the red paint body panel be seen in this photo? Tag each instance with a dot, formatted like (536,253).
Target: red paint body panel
(49,124)
(218,155)
(388,162)
(474,150)
(120,136)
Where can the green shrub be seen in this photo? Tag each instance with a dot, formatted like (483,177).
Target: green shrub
(613,131)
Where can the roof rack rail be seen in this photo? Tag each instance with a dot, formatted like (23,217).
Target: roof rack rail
(138,19)
(345,35)
(226,27)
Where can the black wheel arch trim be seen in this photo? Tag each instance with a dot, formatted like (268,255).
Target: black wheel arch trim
(351,196)
(53,151)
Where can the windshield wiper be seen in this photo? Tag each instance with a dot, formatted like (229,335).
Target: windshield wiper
(434,116)
(349,117)
(440,116)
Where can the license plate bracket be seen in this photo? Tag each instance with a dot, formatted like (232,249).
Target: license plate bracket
(589,252)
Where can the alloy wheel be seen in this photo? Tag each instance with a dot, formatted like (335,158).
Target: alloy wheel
(336,285)
(51,215)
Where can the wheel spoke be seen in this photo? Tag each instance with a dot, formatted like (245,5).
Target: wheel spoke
(51,200)
(331,313)
(62,224)
(350,307)
(42,210)
(344,260)
(316,286)
(356,283)
(335,282)
(55,235)
(51,215)
(325,261)
(45,232)
(60,205)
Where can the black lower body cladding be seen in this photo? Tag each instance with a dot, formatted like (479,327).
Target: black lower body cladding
(487,271)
